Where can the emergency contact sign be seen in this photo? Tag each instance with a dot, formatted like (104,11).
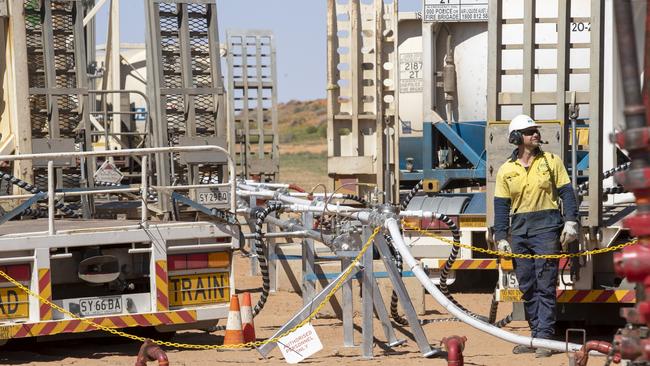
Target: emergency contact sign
(455,11)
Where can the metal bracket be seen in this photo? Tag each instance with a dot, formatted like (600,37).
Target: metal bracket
(264,350)
(407,305)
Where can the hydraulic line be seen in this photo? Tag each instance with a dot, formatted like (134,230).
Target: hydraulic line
(37,212)
(394,299)
(355,198)
(416,188)
(392,225)
(494,306)
(152,195)
(34,190)
(398,258)
(584,187)
(450,262)
(261,254)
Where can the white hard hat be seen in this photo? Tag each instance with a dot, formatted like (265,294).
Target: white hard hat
(521,122)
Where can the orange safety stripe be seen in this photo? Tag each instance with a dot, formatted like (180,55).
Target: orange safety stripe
(588,296)
(45,291)
(470,264)
(77,326)
(596,296)
(162,286)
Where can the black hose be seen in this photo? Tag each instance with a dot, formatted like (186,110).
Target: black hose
(152,195)
(355,198)
(37,212)
(448,265)
(584,187)
(35,190)
(416,188)
(398,262)
(494,306)
(397,258)
(261,255)
(445,271)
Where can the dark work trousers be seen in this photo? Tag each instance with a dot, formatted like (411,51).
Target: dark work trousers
(537,280)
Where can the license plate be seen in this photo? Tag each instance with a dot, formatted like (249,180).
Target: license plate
(213,197)
(101,305)
(201,289)
(14,303)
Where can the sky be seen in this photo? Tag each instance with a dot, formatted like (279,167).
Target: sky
(299,28)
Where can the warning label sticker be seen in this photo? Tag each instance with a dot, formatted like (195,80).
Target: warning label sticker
(410,73)
(455,11)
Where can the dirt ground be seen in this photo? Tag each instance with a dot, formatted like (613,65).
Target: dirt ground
(481,349)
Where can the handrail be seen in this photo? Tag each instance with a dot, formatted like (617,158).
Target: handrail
(128,152)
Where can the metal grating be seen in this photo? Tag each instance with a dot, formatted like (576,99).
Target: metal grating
(362,94)
(186,87)
(253,102)
(57,77)
(533,73)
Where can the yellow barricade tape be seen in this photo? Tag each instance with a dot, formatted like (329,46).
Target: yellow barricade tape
(497,253)
(346,274)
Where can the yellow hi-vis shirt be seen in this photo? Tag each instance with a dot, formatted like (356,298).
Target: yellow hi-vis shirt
(534,204)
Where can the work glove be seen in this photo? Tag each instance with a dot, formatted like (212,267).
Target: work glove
(569,234)
(504,246)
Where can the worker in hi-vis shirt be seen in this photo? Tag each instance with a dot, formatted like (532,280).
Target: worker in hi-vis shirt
(526,204)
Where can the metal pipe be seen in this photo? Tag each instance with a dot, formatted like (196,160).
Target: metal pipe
(182,248)
(144,192)
(139,250)
(454,346)
(582,356)
(573,116)
(61,256)
(141,152)
(17,260)
(363,216)
(50,197)
(634,108)
(393,227)
(282,234)
(151,352)
(293,227)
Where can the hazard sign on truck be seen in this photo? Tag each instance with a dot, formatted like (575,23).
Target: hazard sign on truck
(108,173)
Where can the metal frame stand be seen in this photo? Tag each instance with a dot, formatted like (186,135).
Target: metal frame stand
(371,303)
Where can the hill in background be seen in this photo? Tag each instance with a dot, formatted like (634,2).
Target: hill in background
(302,122)
(303,142)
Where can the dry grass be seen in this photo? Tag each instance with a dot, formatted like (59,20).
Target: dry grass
(305,169)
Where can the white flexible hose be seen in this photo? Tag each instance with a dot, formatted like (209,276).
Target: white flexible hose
(398,241)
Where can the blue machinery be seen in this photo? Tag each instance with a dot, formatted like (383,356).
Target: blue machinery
(420,160)
(467,138)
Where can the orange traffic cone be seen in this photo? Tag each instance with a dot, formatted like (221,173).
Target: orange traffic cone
(247,318)
(234,334)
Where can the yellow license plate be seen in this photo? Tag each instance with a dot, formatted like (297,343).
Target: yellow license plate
(201,289)
(14,303)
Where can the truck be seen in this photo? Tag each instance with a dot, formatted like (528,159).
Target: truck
(464,69)
(117,204)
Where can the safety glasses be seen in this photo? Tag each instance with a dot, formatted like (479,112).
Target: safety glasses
(529,132)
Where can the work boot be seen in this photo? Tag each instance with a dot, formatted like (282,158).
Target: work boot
(543,352)
(521,348)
